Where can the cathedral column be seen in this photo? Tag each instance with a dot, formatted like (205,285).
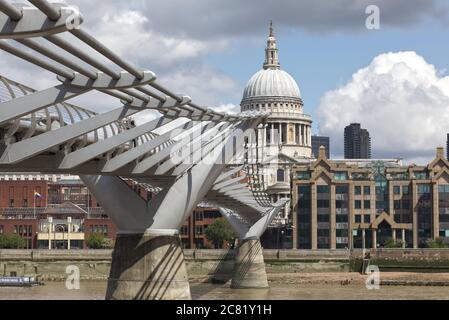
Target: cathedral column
(309,136)
(302,134)
(294,133)
(280,133)
(306,133)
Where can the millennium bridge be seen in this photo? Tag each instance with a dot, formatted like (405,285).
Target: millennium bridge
(189,153)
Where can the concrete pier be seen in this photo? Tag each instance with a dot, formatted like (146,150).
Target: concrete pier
(148,267)
(249,270)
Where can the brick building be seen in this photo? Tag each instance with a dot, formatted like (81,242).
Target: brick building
(193,231)
(66,213)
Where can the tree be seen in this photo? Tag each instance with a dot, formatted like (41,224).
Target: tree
(390,243)
(436,243)
(218,232)
(107,244)
(95,241)
(12,241)
(98,241)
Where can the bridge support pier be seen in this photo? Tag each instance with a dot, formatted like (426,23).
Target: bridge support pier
(249,270)
(148,267)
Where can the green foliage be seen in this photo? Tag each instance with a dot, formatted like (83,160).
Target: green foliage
(436,243)
(98,241)
(107,243)
(11,241)
(218,232)
(390,243)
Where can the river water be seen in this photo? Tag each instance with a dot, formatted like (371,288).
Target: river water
(95,290)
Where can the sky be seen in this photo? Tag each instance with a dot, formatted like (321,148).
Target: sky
(392,80)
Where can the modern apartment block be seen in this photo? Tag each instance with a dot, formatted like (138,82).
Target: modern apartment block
(357,142)
(364,203)
(317,142)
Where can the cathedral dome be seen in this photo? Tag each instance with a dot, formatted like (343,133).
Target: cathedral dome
(271,83)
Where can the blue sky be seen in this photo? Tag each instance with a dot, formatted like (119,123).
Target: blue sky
(208,49)
(322,62)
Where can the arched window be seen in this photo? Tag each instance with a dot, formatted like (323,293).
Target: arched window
(281,175)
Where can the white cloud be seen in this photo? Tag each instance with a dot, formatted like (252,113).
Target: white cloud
(227,108)
(177,59)
(130,33)
(204,84)
(400,98)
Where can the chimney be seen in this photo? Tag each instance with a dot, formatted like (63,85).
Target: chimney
(322,152)
(440,152)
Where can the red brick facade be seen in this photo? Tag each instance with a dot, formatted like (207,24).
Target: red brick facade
(18,213)
(20,194)
(26,228)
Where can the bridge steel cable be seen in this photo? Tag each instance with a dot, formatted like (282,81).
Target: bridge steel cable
(183,153)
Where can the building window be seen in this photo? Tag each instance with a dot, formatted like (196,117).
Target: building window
(358,218)
(341,218)
(322,189)
(323,218)
(11,203)
(367,204)
(322,203)
(184,230)
(341,189)
(421,175)
(25,203)
(405,190)
(423,188)
(280,175)
(341,233)
(199,215)
(443,188)
(366,190)
(358,204)
(405,204)
(303,175)
(343,175)
(397,190)
(198,229)
(358,190)
(366,218)
(397,204)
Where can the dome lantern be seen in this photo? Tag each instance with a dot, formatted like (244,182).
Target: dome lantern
(271,51)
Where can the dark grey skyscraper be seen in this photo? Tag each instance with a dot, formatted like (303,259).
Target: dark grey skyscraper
(317,142)
(357,142)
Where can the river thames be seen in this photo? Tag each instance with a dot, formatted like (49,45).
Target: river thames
(95,290)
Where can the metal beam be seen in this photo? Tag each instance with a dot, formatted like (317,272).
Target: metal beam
(85,154)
